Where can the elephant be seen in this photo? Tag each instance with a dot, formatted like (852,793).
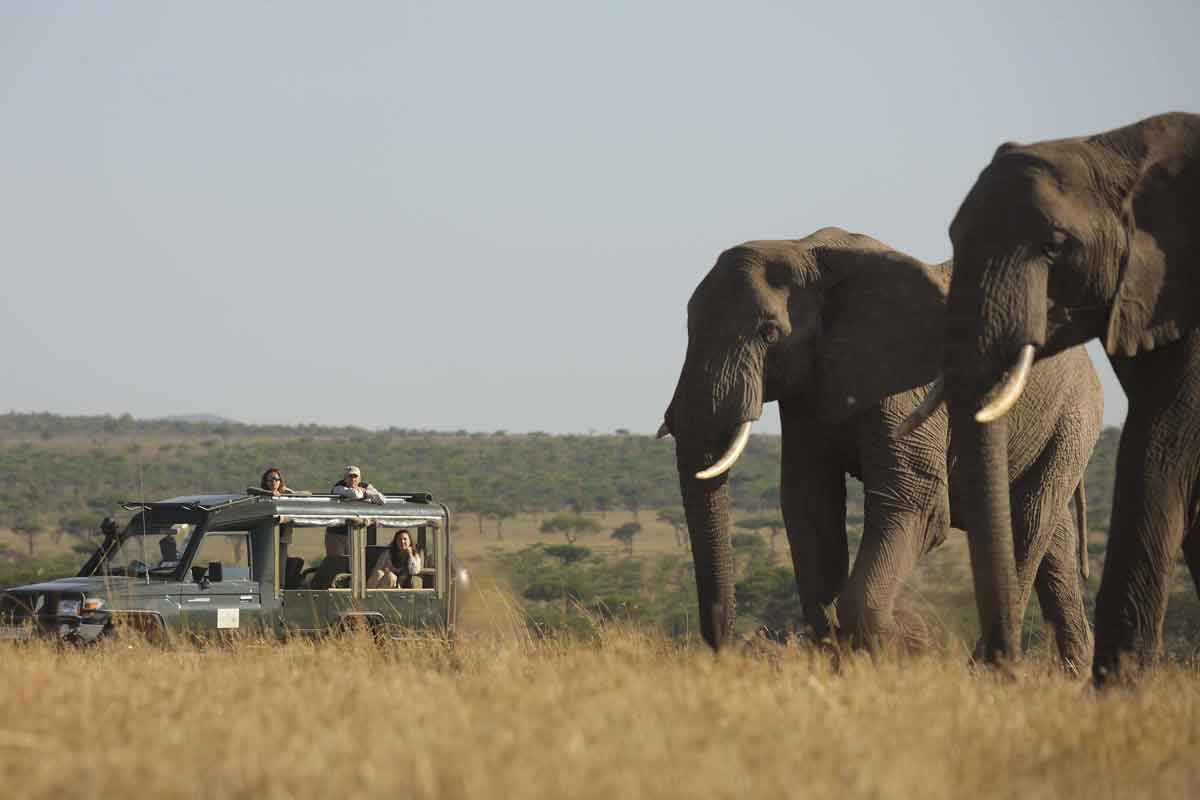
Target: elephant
(1058,243)
(847,334)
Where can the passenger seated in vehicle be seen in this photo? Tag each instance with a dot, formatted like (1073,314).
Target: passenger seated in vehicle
(398,567)
(352,487)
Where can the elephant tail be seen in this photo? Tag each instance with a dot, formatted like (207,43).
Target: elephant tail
(1081,525)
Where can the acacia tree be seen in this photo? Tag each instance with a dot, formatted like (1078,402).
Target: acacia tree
(772,522)
(768,498)
(602,498)
(632,495)
(500,512)
(77,526)
(569,553)
(28,528)
(675,518)
(469,505)
(626,533)
(570,525)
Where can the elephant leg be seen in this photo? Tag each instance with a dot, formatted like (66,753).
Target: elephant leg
(1131,604)
(1157,468)
(813,499)
(1044,530)
(906,515)
(893,541)
(1191,551)
(1060,594)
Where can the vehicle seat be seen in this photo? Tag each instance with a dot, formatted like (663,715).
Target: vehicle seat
(429,578)
(374,551)
(292,572)
(330,569)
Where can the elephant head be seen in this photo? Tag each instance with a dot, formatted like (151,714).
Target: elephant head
(791,321)
(1057,243)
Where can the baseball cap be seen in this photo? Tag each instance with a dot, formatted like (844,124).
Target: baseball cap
(353,470)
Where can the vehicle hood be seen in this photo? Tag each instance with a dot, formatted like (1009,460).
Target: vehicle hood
(93,586)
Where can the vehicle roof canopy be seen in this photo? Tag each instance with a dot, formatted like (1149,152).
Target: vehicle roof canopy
(223,510)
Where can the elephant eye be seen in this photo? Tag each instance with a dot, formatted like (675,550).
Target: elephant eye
(1054,246)
(770,333)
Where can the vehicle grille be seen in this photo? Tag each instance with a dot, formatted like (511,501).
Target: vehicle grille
(17,608)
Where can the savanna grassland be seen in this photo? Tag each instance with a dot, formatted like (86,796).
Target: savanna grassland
(628,715)
(577,671)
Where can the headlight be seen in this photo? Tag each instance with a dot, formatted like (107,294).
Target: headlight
(69,608)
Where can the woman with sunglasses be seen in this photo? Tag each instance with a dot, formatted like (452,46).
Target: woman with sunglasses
(272,481)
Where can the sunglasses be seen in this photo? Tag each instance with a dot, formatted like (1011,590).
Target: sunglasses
(274,478)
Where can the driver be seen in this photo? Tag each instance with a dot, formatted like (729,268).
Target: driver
(168,548)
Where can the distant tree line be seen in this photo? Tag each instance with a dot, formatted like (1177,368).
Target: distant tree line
(61,474)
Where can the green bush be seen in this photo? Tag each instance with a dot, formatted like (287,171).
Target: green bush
(15,573)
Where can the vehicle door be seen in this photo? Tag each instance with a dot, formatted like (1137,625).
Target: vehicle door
(404,610)
(316,568)
(219,592)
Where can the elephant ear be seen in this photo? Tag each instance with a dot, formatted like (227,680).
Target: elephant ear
(1158,297)
(883,332)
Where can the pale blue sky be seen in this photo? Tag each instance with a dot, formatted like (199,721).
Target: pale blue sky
(487,215)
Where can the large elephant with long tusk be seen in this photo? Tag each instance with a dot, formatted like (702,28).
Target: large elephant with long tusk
(1057,243)
(848,335)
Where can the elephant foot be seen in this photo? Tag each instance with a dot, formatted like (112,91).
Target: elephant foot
(1075,656)
(913,636)
(770,644)
(820,620)
(1121,670)
(1006,671)
(874,633)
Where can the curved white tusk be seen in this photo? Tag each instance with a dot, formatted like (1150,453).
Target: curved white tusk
(932,402)
(1010,390)
(731,455)
(663,431)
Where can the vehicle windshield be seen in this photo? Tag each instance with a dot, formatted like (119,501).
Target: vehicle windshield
(154,554)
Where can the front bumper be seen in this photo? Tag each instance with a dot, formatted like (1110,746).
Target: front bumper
(53,626)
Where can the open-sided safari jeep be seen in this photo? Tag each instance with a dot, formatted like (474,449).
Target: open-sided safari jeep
(253,562)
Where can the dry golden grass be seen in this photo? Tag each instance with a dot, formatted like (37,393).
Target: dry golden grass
(635,716)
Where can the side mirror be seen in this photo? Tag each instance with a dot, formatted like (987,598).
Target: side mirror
(199,576)
(215,571)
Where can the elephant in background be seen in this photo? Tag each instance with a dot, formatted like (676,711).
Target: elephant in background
(1057,243)
(846,334)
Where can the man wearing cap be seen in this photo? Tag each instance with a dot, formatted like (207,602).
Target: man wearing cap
(352,487)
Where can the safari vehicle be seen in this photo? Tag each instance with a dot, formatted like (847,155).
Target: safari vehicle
(207,564)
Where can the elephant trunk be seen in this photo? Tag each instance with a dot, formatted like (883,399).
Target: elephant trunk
(710,415)
(982,452)
(993,330)
(706,506)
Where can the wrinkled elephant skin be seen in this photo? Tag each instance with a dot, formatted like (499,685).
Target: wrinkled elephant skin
(1064,241)
(847,334)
